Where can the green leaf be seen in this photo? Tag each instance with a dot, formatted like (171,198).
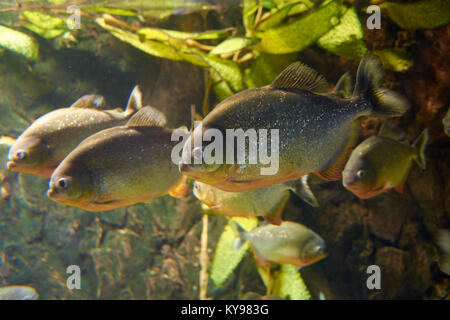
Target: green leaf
(18,42)
(266,68)
(225,258)
(301,33)
(43,20)
(228,71)
(165,34)
(425,14)
(248,15)
(233,44)
(160,9)
(275,19)
(154,48)
(221,88)
(395,59)
(268,4)
(114,11)
(45,33)
(288,284)
(346,39)
(46,26)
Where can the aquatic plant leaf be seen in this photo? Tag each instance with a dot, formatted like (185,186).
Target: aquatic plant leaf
(18,42)
(395,59)
(45,33)
(165,34)
(43,20)
(226,69)
(46,26)
(233,44)
(220,87)
(425,14)
(249,8)
(288,284)
(268,4)
(346,39)
(160,9)
(266,68)
(301,33)
(275,19)
(225,258)
(114,11)
(155,48)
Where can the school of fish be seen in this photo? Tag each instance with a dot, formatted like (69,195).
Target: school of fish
(100,160)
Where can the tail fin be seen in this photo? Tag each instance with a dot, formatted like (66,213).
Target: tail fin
(134,102)
(420,145)
(240,234)
(384,102)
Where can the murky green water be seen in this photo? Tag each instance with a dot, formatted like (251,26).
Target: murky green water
(197,53)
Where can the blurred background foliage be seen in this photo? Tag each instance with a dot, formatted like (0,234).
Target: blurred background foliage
(192,52)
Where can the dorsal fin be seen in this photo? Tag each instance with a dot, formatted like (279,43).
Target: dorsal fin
(344,86)
(89,101)
(135,101)
(391,131)
(300,76)
(147,117)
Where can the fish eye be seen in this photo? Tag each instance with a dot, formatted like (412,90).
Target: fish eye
(62,183)
(197,186)
(360,173)
(198,153)
(20,155)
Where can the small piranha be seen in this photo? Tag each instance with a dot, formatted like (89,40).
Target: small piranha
(443,241)
(288,243)
(49,139)
(446,123)
(267,202)
(119,166)
(18,293)
(383,162)
(316,129)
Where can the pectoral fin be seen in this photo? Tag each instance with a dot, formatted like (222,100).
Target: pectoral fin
(304,192)
(334,171)
(181,189)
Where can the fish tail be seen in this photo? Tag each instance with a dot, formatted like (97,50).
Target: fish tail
(134,102)
(240,233)
(384,103)
(419,146)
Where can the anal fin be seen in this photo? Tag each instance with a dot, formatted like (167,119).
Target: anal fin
(401,187)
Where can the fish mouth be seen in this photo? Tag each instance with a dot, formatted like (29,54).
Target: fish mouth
(184,167)
(51,193)
(11,165)
(348,181)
